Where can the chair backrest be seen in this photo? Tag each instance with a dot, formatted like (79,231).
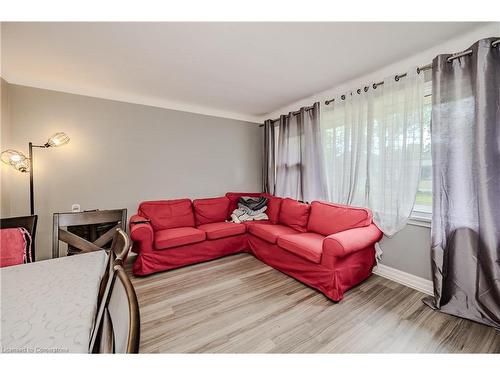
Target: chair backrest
(26,222)
(117,329)
(120,247)
(61,222)
(117,255)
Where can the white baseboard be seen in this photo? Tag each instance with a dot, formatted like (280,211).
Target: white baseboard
(407,279)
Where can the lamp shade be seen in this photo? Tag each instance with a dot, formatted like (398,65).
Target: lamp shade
(57,140)
(16,159)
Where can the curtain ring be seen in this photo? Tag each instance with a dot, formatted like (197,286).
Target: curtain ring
(358,91)
(374,86)
(342,97)
(396,78)
(366,88)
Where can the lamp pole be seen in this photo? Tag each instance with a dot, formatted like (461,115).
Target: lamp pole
(32,200)
(32,194)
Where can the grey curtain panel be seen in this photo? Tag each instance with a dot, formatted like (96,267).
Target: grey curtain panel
(269,159)
(466,184)
(300,169)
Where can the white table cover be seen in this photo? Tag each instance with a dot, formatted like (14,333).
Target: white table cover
(49,306)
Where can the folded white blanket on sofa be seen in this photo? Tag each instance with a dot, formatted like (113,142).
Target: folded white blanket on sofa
(244,213)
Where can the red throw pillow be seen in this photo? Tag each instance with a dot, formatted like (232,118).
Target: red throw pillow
(12,247)
(273,207)
(211,210)
(168,214)
(294,214)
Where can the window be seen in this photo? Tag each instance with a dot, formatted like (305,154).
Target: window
(367,141)
(289,165)
(423,199)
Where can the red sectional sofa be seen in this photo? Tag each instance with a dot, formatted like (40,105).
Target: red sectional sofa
(327,246)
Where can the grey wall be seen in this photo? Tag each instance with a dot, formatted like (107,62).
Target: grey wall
(121,154)
(409,251)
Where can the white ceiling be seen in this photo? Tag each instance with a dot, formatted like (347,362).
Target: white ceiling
(240,70)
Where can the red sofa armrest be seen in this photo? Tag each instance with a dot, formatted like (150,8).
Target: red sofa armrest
(349,241)
(141,233)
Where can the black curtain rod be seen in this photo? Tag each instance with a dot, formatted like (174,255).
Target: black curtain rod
(291,113)
(375,85)
(397,77)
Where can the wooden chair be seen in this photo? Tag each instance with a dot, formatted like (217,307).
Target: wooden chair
(120,247)
(118,326)
(111,334)
(26,222)
(118,253)
(61,222)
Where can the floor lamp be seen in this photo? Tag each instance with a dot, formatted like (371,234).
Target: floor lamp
(20,162)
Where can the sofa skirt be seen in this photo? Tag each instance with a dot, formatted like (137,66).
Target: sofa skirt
(347,273)
(152,261)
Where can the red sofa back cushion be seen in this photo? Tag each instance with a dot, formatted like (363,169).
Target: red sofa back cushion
(211,210)
(233,198)
(273,207)
(329,218)
(294,214)
(169,214)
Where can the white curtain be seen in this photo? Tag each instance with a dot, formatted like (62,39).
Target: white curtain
(344,126)
(373,147)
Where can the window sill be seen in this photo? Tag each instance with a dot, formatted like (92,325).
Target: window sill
(420,219)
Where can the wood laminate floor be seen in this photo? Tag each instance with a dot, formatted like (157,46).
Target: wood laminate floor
(238,304)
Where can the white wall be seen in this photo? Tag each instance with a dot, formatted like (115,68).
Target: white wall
(121,154)
(408,250)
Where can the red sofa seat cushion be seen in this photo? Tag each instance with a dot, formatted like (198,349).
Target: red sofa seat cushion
(329,218)
(294,214)
(168,214)
(211,210)
(270,232)
(247,224)
(221,230)
(167,238)
(306,245)
(273,207)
